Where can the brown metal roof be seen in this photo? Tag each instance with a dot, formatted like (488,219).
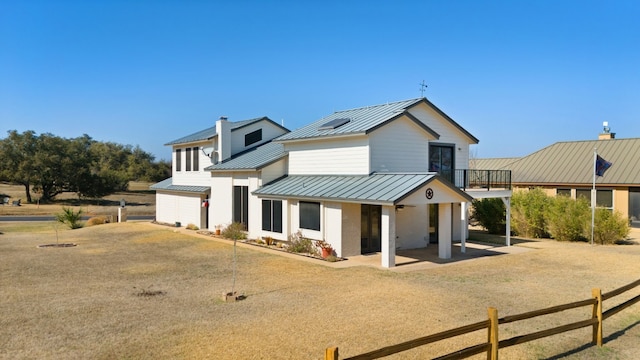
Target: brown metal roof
(491,163)
(572,163)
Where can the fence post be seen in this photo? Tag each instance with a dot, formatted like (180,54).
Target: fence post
(597,314)
(492,354)
(331,353)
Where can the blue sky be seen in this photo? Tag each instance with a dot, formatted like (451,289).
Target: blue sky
(519,75)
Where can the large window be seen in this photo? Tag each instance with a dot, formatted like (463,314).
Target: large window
(196,159)
(187,156)
(310,215)
(441,160)
(272,215)
(178,160)
(253,137)
(241,205)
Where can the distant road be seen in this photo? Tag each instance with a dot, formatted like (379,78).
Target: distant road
(52,218)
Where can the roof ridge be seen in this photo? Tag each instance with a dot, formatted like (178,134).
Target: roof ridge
(378,105)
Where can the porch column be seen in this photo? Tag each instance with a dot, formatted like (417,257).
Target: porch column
(444,230)
(507,205)
(388,234)
(463,227)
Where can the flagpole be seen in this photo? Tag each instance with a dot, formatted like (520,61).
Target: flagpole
(593,193)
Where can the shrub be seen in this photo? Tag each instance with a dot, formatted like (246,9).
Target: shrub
(234,231)
(300,244)
(568,219)
(70,217)
(192,227)
(269,240)
(491,214)
(528,210)
(610,227)
(97,220)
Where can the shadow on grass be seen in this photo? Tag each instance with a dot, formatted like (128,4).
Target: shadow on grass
(485,237)
(584,347)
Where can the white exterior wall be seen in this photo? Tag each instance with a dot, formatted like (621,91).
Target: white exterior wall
(412,227)
(449,134)
(332,225)
(221,203)
(183,207)
(400,146)
(347,156)
(351,231)
(197,178)
(273,171)
(269,131)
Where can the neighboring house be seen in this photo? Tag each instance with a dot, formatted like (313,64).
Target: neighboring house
(372,179)
(185,197)
(567,168)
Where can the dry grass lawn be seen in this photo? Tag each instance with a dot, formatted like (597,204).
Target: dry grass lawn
(84,302)
(139,199)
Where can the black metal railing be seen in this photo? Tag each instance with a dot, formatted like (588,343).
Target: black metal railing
(478,179)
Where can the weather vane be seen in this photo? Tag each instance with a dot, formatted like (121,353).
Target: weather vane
(423,87)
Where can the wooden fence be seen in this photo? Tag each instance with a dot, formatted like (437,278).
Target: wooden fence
(491,324)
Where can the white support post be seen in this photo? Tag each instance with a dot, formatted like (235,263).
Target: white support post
(507,205)
(388,234)
(444,230)
(463,227)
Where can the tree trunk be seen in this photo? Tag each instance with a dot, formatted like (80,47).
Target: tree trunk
(27,191)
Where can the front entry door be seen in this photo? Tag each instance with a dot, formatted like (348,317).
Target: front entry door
(370,228)
(433,223)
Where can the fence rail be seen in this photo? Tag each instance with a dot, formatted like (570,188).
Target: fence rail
(493,343)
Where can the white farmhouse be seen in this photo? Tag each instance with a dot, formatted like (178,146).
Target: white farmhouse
(372,179)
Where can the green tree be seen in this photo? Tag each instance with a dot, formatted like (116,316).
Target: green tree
(17,152)
(528,209)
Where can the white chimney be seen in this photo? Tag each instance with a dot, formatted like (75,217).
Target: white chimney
(223,131)
(606,133)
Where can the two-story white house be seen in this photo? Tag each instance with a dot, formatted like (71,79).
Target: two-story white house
(372,179)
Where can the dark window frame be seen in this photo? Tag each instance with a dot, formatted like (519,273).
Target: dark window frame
(253,137)
(196,159)
(272,215)
(310,215)
(187,158)
(240,211)
(178,159)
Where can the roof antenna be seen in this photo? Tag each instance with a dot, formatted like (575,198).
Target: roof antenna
(423,87)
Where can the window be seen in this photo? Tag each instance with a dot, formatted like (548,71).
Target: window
(178,159)
(604,198)
(187,156)
(253,137)
(241,205)
(564,192)
(441,160)
(196,159)
(272,215)
(310,215)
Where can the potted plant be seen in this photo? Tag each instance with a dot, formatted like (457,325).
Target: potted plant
(325,248)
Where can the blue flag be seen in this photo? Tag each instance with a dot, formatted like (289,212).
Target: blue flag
(601,165)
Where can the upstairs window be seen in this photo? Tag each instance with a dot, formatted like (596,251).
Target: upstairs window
(188,159)
(178,159)
(253,137)
(196,159)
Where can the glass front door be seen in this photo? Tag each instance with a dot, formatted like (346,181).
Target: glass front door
(370,228)
(441,160)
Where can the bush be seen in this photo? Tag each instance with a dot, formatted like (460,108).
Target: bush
(568,219)
(234,231)
(528,209)
(192,227)
(300,244)
(610,227)
(491,214)
(97,220)
(70,217)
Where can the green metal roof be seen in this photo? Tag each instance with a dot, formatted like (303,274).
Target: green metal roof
(209,133)
(366,119)
(377,188)
(167,184)
(253,159)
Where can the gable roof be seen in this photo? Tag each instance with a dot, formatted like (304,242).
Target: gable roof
(253,159)
(377,188)
(209,133)
(572,163)
(363,121)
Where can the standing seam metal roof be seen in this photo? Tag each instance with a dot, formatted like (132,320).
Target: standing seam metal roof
(387,188)
(253,159)
(167,184)
(209,133)
(572,163)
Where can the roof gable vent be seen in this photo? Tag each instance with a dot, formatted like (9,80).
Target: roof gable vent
(334,124)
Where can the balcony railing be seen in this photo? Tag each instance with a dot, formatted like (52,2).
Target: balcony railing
(466,179)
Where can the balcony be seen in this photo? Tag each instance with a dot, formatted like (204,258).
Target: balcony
(472,179)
